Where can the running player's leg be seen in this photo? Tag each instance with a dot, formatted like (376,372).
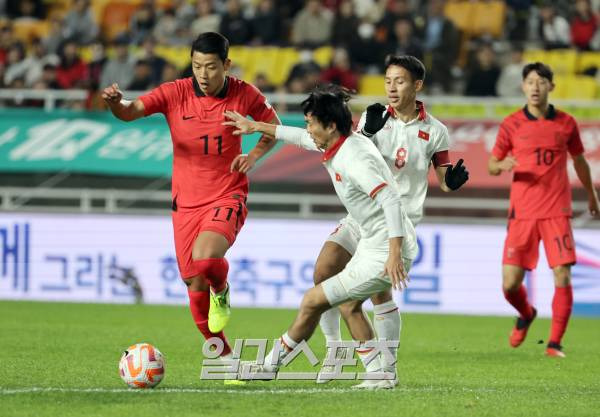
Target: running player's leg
(560,251)
(331,261)
(185,226)
(520,254)
(219,228)
(334,256)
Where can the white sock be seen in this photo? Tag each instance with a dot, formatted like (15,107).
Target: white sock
(287,344)
(388,324)
(330,325)
(363,353)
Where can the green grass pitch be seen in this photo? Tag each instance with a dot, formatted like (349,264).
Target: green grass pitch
(61,359)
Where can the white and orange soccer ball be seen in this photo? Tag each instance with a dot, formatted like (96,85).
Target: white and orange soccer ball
(142,366)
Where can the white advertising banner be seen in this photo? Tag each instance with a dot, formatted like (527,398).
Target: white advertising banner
(84,258)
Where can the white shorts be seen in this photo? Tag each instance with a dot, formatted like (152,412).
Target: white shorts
(346,234)
(364,275)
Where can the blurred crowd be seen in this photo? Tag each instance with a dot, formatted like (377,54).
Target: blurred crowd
(362,33)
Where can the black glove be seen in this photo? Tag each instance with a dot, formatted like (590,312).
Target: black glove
(456,176)
(375,120)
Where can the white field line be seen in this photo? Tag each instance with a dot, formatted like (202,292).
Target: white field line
(239,391)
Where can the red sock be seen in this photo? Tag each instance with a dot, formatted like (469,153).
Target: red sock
(214,270)
(518,299)
(199,305)
(562,304)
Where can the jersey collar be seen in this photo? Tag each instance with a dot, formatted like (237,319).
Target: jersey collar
(333,149)
(420,107)
(221,94)
(550,114)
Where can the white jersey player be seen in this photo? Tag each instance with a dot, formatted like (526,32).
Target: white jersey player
(410,140)
(368,190)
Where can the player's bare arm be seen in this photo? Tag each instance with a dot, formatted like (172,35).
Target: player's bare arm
(582,168)
(244,126)
(245,162)
(497,166)
(125,110)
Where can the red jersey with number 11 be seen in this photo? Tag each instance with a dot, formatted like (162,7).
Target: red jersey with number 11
(203,149)
(540,187)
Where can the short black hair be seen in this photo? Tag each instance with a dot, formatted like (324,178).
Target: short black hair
(410,63)
(329,104)
(211,43)
(540,68)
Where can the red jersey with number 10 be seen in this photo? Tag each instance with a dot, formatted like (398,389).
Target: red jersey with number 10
(203,149)
(540,187)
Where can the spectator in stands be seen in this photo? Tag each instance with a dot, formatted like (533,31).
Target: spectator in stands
(312,26)
(185,12)
(365,50)
(96,64)
(36,61)
(142,22)
(484,73)
(441,43)
(54,39)
(170,73)
(583,25)
(157,63)
(345,26)
(405,42)
(305,69)
(207,20)
(266,24)
(167,30)
(28,9)
(396,10)
(554,29)
(72,72)
(371,11)
(509,83)
(14,63)
(340,72)
(517,19)
(119,69)
(234,26)
(50,77)
(142,76)
(263,84)
(6,40)
(79,23)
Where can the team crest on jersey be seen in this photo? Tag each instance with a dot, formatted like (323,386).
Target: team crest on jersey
(423,135)
(560,138)
(338,177)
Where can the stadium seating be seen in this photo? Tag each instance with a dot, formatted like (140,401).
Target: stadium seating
(371,85)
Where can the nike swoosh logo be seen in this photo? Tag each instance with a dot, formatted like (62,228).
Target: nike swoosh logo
(188,117)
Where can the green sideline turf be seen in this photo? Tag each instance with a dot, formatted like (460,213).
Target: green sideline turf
(54,355)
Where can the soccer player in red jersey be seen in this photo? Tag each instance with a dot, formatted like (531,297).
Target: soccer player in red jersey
(533,143)
(209,184)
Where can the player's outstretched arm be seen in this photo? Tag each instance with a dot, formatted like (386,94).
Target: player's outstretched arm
(288,134)
(245,162)
(496,166)
(125,110)
(582,168)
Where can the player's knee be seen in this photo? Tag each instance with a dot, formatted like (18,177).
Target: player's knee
(381,297)
(196,284)
(562,275)
(311,303)
(350,308)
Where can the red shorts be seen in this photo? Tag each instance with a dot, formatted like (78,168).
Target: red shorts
(522,243)
(225,217)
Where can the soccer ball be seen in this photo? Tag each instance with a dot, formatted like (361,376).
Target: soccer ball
(142,366)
